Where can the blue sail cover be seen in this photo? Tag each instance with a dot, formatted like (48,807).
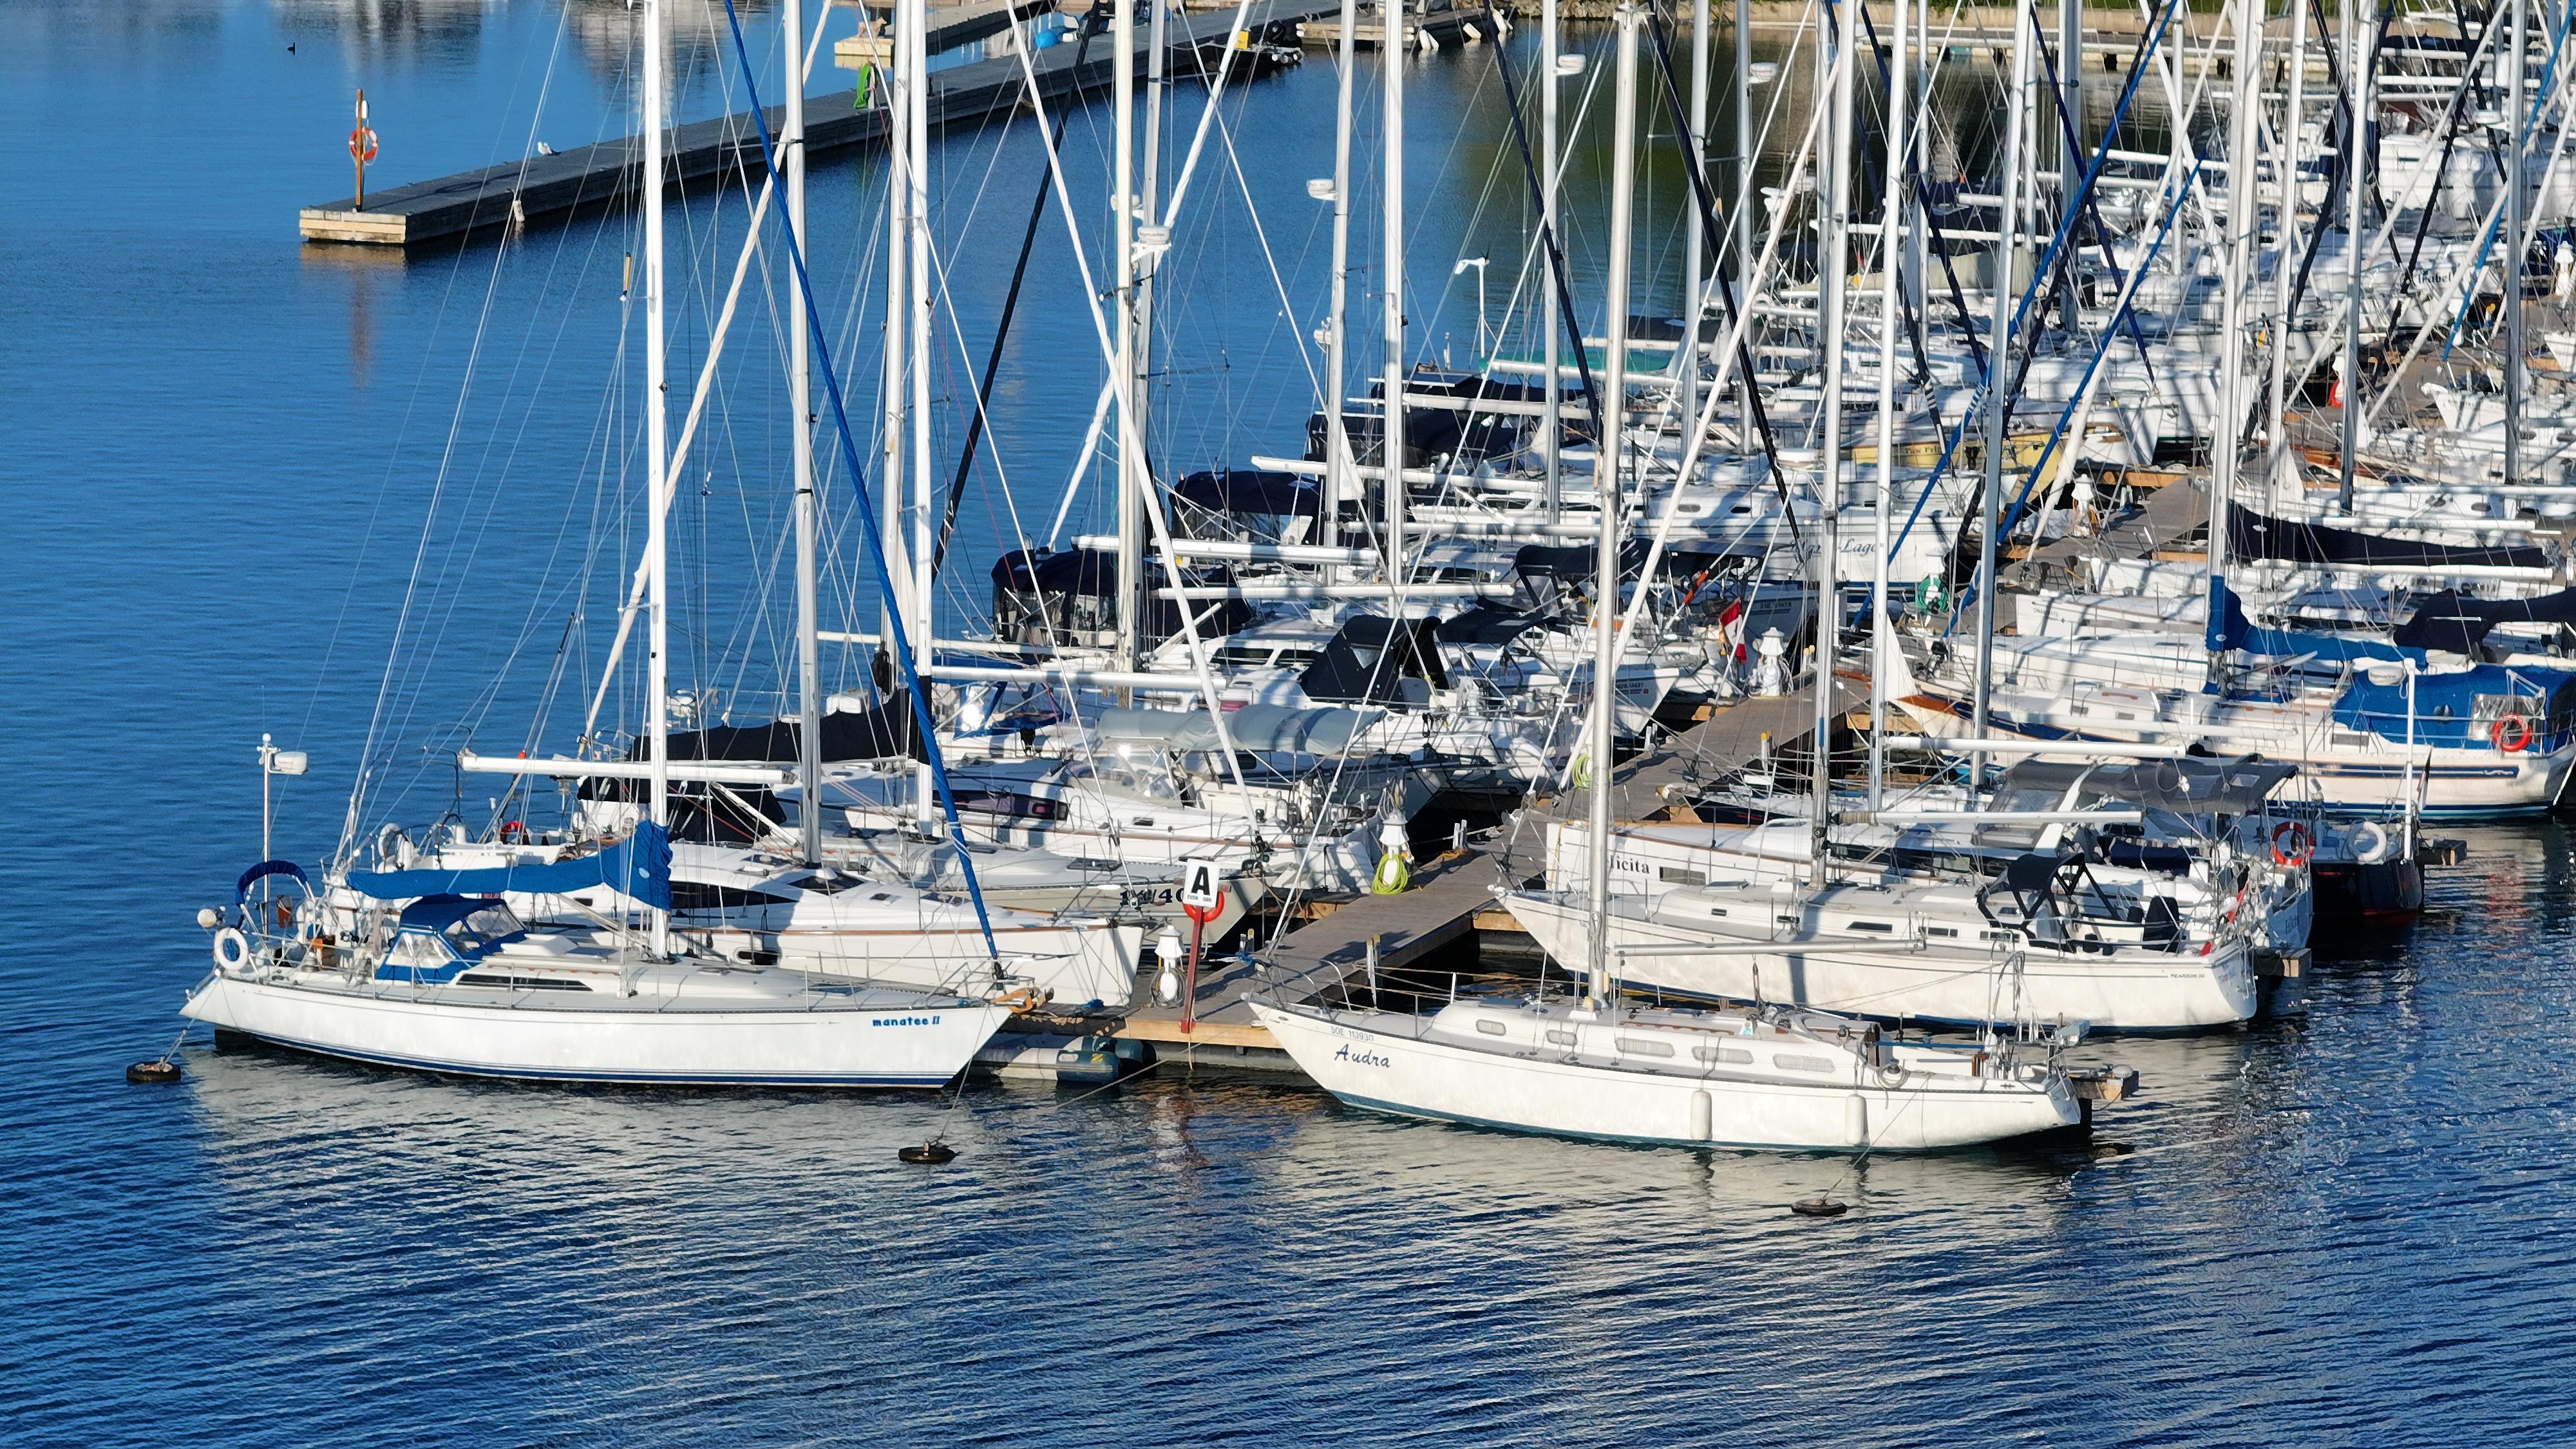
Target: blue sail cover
(2229,628)
(2447,706)
(639,866)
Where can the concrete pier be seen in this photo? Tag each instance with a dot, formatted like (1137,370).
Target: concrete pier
(542,189)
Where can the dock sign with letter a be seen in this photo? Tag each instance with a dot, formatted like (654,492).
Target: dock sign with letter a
(1198,890)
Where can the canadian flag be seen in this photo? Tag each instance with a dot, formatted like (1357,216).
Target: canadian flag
(1730,626)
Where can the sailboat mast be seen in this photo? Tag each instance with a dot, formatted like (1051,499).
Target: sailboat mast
(913,30)
(1607,478)
(1391,451)
(1694,256)
(1743,206)
(1338,481)
(657,684)
(2517,121)
(2286,172)
(2356,182)
(1833,193)
(1552,431)
(895,433)
(809,648)
(1999,344)
(1131,468)
(1890,231)
(2243,217)
(1151,240)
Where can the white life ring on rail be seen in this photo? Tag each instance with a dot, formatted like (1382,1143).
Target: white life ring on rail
(232,949)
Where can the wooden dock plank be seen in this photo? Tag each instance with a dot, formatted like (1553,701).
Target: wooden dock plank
(1728,740)
(1319,958)
(452,209)
(2159,528)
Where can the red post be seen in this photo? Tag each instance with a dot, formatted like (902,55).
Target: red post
(1190,984)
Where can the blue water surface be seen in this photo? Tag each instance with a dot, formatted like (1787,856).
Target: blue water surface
(240,474)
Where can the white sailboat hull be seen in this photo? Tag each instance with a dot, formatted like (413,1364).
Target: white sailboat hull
(1072,964)
(2127,991)
(665,1042)
(1378,1061)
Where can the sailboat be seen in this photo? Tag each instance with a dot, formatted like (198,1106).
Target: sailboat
(1598,1067)
(428,966)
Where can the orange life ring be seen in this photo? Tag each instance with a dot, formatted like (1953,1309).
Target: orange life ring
(2302,848)
(513,833)
(2511,733)
(362,143)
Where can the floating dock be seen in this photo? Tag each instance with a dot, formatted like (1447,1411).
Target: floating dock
(556,187)
(1452,898)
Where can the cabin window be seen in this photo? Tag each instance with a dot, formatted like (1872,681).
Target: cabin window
(1950,931)
(1559,1037)
(1789,1063)
(1677,875)
(829,882)
(1998,935)
(1006,802)
(1642,1047)
(518,983)
(1717,910)
(689,895)
(1871,926)
(1491,1028)
(1734,1056)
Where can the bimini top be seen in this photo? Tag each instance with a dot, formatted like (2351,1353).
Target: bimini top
(2187,786)
(437,913)
(638,866)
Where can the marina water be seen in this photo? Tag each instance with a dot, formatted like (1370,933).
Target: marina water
(2345,1224)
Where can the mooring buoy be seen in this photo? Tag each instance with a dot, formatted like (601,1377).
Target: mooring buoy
(1819,1207)
(146,1073)
(928,1152)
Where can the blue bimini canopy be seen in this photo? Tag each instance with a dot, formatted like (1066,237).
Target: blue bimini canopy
(639,866)
(437,913)
(265,869)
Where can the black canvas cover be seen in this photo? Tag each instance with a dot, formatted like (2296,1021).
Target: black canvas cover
(2456,622)
(1251,490)
(1488,624)
(2253,535)
(869,734)
(1369,659)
